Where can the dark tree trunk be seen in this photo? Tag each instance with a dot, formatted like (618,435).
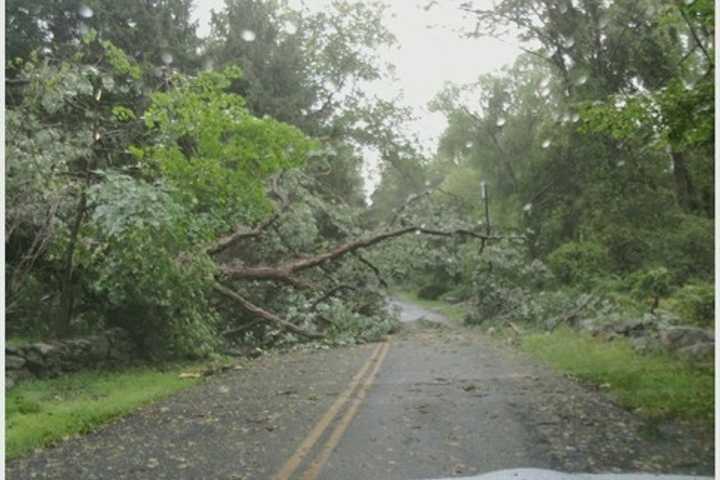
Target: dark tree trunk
(684,188)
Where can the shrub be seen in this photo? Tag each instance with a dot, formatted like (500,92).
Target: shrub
(688,249)
(695,302)
(654,283)
(576,263)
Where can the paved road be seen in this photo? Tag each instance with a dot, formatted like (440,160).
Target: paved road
(429,403)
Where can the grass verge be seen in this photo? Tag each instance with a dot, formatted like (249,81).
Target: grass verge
(40,412)
(455,312)
(654,385)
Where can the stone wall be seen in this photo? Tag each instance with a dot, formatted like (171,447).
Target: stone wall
(42,360)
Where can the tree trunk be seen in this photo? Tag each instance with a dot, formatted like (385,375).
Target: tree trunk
(684,188)
(67,288)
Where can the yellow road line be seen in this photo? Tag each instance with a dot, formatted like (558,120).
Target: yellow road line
(314,469)
(294,462)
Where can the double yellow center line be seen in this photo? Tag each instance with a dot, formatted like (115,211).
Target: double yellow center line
(355,394)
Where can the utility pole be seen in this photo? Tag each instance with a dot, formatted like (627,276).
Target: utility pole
(483,185)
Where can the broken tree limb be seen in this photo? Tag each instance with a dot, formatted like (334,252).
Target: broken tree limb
(284,272)
(264,314)
(236,331)
(331,293)
(372,267)
(242,232)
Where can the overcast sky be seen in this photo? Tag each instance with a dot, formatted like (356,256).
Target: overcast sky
(426,57)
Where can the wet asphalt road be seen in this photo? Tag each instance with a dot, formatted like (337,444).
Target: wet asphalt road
(446,402)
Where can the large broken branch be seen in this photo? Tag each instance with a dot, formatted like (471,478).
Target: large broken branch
(264,314)
(284,273)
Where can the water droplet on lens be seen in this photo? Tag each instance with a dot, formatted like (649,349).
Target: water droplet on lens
(290,28)
(621,163)
(500,122)
(527,207)
(546,144)
(248,35)
(131,23)
(166,58)
(469,145)
(85,11)
(582,79)
(575,118)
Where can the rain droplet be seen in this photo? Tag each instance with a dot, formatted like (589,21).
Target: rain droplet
(131,23)
(545,83)
(427,183)
(289,27)
(500,122)
(248,35)
(566,118)
(546,144)
(469,145)
(581,80)
(527,207)
(545,92)
(575,118)
(417,232)
(166,58)
(422,226)
(200,50)
(621,163)
(85,11)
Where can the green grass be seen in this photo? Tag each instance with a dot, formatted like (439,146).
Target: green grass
(657,385)
(40,412)
(18,341)
(456,313)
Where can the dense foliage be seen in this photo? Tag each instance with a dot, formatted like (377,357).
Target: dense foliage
(204,192)
(596,146)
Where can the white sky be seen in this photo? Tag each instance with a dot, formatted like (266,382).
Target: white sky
(425,60)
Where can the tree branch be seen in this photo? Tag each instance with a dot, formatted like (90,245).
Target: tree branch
(284,273)
(264,314)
